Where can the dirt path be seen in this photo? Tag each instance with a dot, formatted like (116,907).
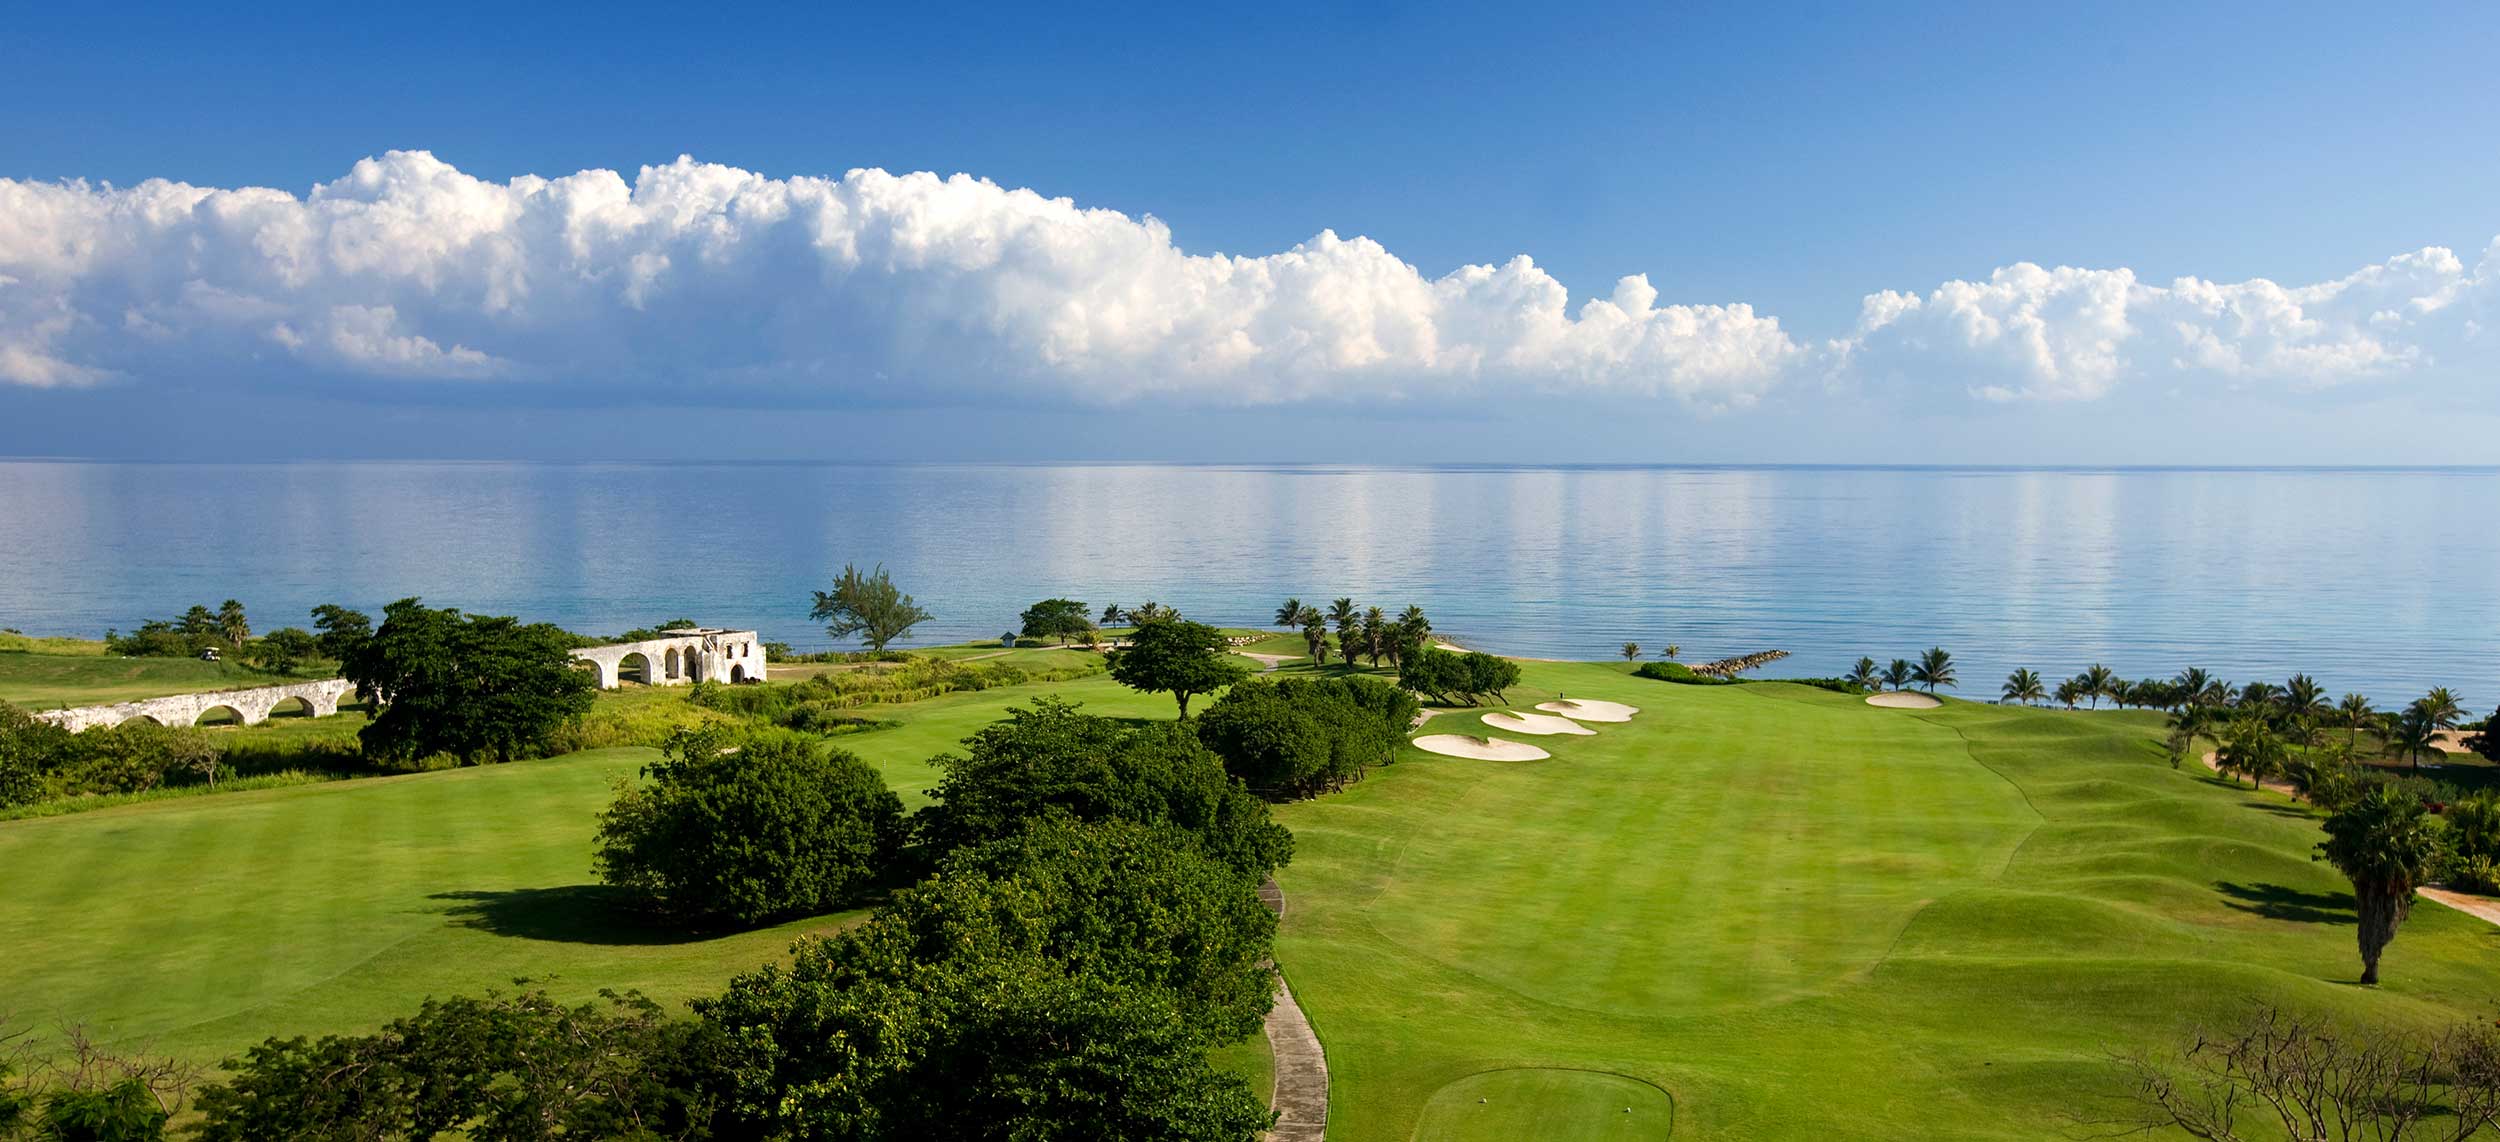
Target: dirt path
(1268,662)
(1301,1065)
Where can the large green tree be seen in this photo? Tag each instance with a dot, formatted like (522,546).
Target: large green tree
(472,686)
(1302,735)
(1062,619)
(746,830)
(1053,760)
(2386,844)
(869,605)
(340,630)
(1177,657)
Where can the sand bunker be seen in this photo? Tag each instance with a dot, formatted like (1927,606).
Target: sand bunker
(1481,749)
(1590,710)
(1535,724)
(1904,700)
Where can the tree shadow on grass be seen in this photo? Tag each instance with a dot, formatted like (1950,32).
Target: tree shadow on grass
(571,914)
(2275,902)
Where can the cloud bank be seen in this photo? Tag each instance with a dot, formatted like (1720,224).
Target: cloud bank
(699,282)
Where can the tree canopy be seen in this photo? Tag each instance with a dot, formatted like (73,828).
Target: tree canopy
(1177,657)
(1052,760)
(751,829)
(472,686)
(868,605)
(2386,843)
(1062,619)
(1453,678)
(1302,735)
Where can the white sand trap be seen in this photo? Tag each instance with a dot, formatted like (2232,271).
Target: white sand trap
(1590,710)
(1481,749)
(1535,724)
(1903,700)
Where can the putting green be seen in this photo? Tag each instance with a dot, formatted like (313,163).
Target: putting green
(1544,1102)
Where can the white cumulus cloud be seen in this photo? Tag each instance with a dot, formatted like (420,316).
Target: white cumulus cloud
(699,282)
(872,285)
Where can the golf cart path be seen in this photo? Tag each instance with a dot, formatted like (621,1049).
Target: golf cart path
(1301,1098)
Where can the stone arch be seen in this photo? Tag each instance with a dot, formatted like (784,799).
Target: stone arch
(694,664)
(235,716)
(636,667)
(673,667)
(737,672)
(302,706)
(151,719)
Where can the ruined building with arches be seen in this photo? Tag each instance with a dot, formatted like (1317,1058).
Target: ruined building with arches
(679,658)
(242,707)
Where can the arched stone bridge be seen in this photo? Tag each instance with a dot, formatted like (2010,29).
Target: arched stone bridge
(250,707)
(679,658)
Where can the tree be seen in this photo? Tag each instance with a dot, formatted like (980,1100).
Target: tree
(233,628)
(282,650)
(1112,615)
(1150,611)
(1671,651)
(2299,1076)
(1289,616)
(1935,668)
(2415,732)
(2303,701)
(342,630)
(2023,686)
(2487,743)
(869,606)
(2069,692)
(2356,712)
(1631,650)
(1409,634)
(1177,657)
(1051,759)
(1298,736)
(2193,682)
(467,685)
(749,830)
(1375,634)
(1315,635)
(1348,621)
(2096,683)
(1469,678)
(199,625)
(2442,707)
(1059,618)
(496,1069)
(1863,674)
(1897,674)
(2251,749)
(2385,843)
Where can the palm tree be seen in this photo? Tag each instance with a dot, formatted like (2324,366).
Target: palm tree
(2443,708)
(2023,686)
(2414,732)
(1631,650)
(2097,682)
(1150,611)
(2260,694)
(1863,673)
(1347,619)
(1289,616)
(1897,675)
(2121,693)
(1375,634)
(2385,844)
(1935,668)
(1315,635)
(1671,651)
(2356,710)
(2250,748)
(2069,692)
(1112,615)
(2303,698)
(2193,682)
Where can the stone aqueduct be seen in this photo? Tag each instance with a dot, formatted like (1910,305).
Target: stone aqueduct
(681,658)
(250,707)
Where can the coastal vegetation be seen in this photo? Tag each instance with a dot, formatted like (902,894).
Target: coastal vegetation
(867,605)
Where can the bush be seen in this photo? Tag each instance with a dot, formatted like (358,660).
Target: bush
(751,830)
(1453,678)
(1678,672)
(1300,735)
(1835,685)
(1052,760)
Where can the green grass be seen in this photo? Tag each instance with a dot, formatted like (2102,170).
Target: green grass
(49,681)
(1760,911)
(1807,917)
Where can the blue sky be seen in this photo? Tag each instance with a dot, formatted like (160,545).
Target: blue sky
(1792,160)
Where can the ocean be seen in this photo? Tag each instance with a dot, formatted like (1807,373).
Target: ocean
(2382,581)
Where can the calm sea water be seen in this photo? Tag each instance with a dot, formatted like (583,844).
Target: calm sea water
(2386,582)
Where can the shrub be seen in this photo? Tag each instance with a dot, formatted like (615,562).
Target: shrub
(1050,759)
(1453,678)
(1678,672)
(1300,735)
(750,830)
(1835,685)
